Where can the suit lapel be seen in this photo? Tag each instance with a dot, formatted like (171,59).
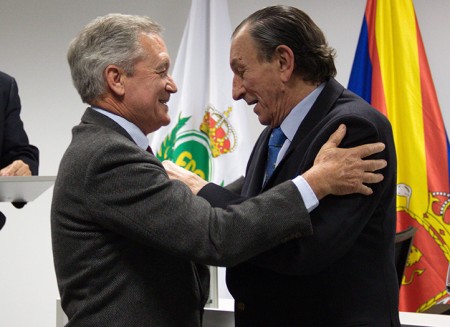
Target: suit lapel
(301,141)
(256,166)
(320,109)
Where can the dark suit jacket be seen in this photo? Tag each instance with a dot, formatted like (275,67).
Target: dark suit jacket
(14,143)
(344,274)
(125,237)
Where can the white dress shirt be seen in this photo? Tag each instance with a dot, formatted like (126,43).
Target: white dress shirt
(289,126)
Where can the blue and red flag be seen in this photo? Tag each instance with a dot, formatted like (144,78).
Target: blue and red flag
(391,72)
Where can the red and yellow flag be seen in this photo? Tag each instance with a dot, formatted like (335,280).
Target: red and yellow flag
(391,72)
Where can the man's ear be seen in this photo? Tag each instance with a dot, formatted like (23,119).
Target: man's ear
(114,79)
(286,61)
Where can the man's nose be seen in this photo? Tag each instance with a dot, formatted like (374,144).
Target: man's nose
(238,88)
(171,85)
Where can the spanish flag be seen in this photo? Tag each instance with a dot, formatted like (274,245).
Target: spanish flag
(391,72)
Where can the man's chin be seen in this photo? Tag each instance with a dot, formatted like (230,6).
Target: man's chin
(166,121)
(263,121)
(162,123)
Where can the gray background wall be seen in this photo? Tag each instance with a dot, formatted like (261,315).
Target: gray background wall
(33,40)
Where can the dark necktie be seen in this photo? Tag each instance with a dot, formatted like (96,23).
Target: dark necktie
(276,141)
(149,149)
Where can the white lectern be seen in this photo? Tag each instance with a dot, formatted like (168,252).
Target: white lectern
(23,188)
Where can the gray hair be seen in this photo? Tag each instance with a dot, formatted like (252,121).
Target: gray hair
(108,40)
(283,25)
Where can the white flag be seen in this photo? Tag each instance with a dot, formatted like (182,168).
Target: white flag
(208,129)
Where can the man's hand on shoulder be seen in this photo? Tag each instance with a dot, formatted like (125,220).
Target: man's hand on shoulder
(341,171)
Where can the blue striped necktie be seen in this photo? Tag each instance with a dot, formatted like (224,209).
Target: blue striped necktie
(276,141)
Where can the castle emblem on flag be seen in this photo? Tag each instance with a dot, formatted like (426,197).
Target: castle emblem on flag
(436,223)
(221,135)
(195,149)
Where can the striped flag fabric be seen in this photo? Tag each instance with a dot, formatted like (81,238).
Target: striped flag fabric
(391,72)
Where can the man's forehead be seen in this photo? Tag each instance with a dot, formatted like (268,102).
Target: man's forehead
(152,39)
(241,49)
(154,46)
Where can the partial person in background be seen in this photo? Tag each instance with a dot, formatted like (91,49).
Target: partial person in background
(344,273)
(17,156)
(128,242)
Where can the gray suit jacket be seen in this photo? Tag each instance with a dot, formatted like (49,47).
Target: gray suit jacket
(128,243)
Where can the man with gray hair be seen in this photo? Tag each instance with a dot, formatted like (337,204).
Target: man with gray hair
(129,244)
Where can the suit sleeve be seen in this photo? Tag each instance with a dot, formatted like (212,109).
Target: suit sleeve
(15,140)
(220,197)
(236,186)
(133,196)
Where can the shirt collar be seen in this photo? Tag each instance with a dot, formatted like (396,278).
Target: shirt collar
(292,122)
(136,134)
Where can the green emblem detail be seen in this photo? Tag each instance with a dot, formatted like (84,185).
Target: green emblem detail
(188,149)
(192,152)
(165,152)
